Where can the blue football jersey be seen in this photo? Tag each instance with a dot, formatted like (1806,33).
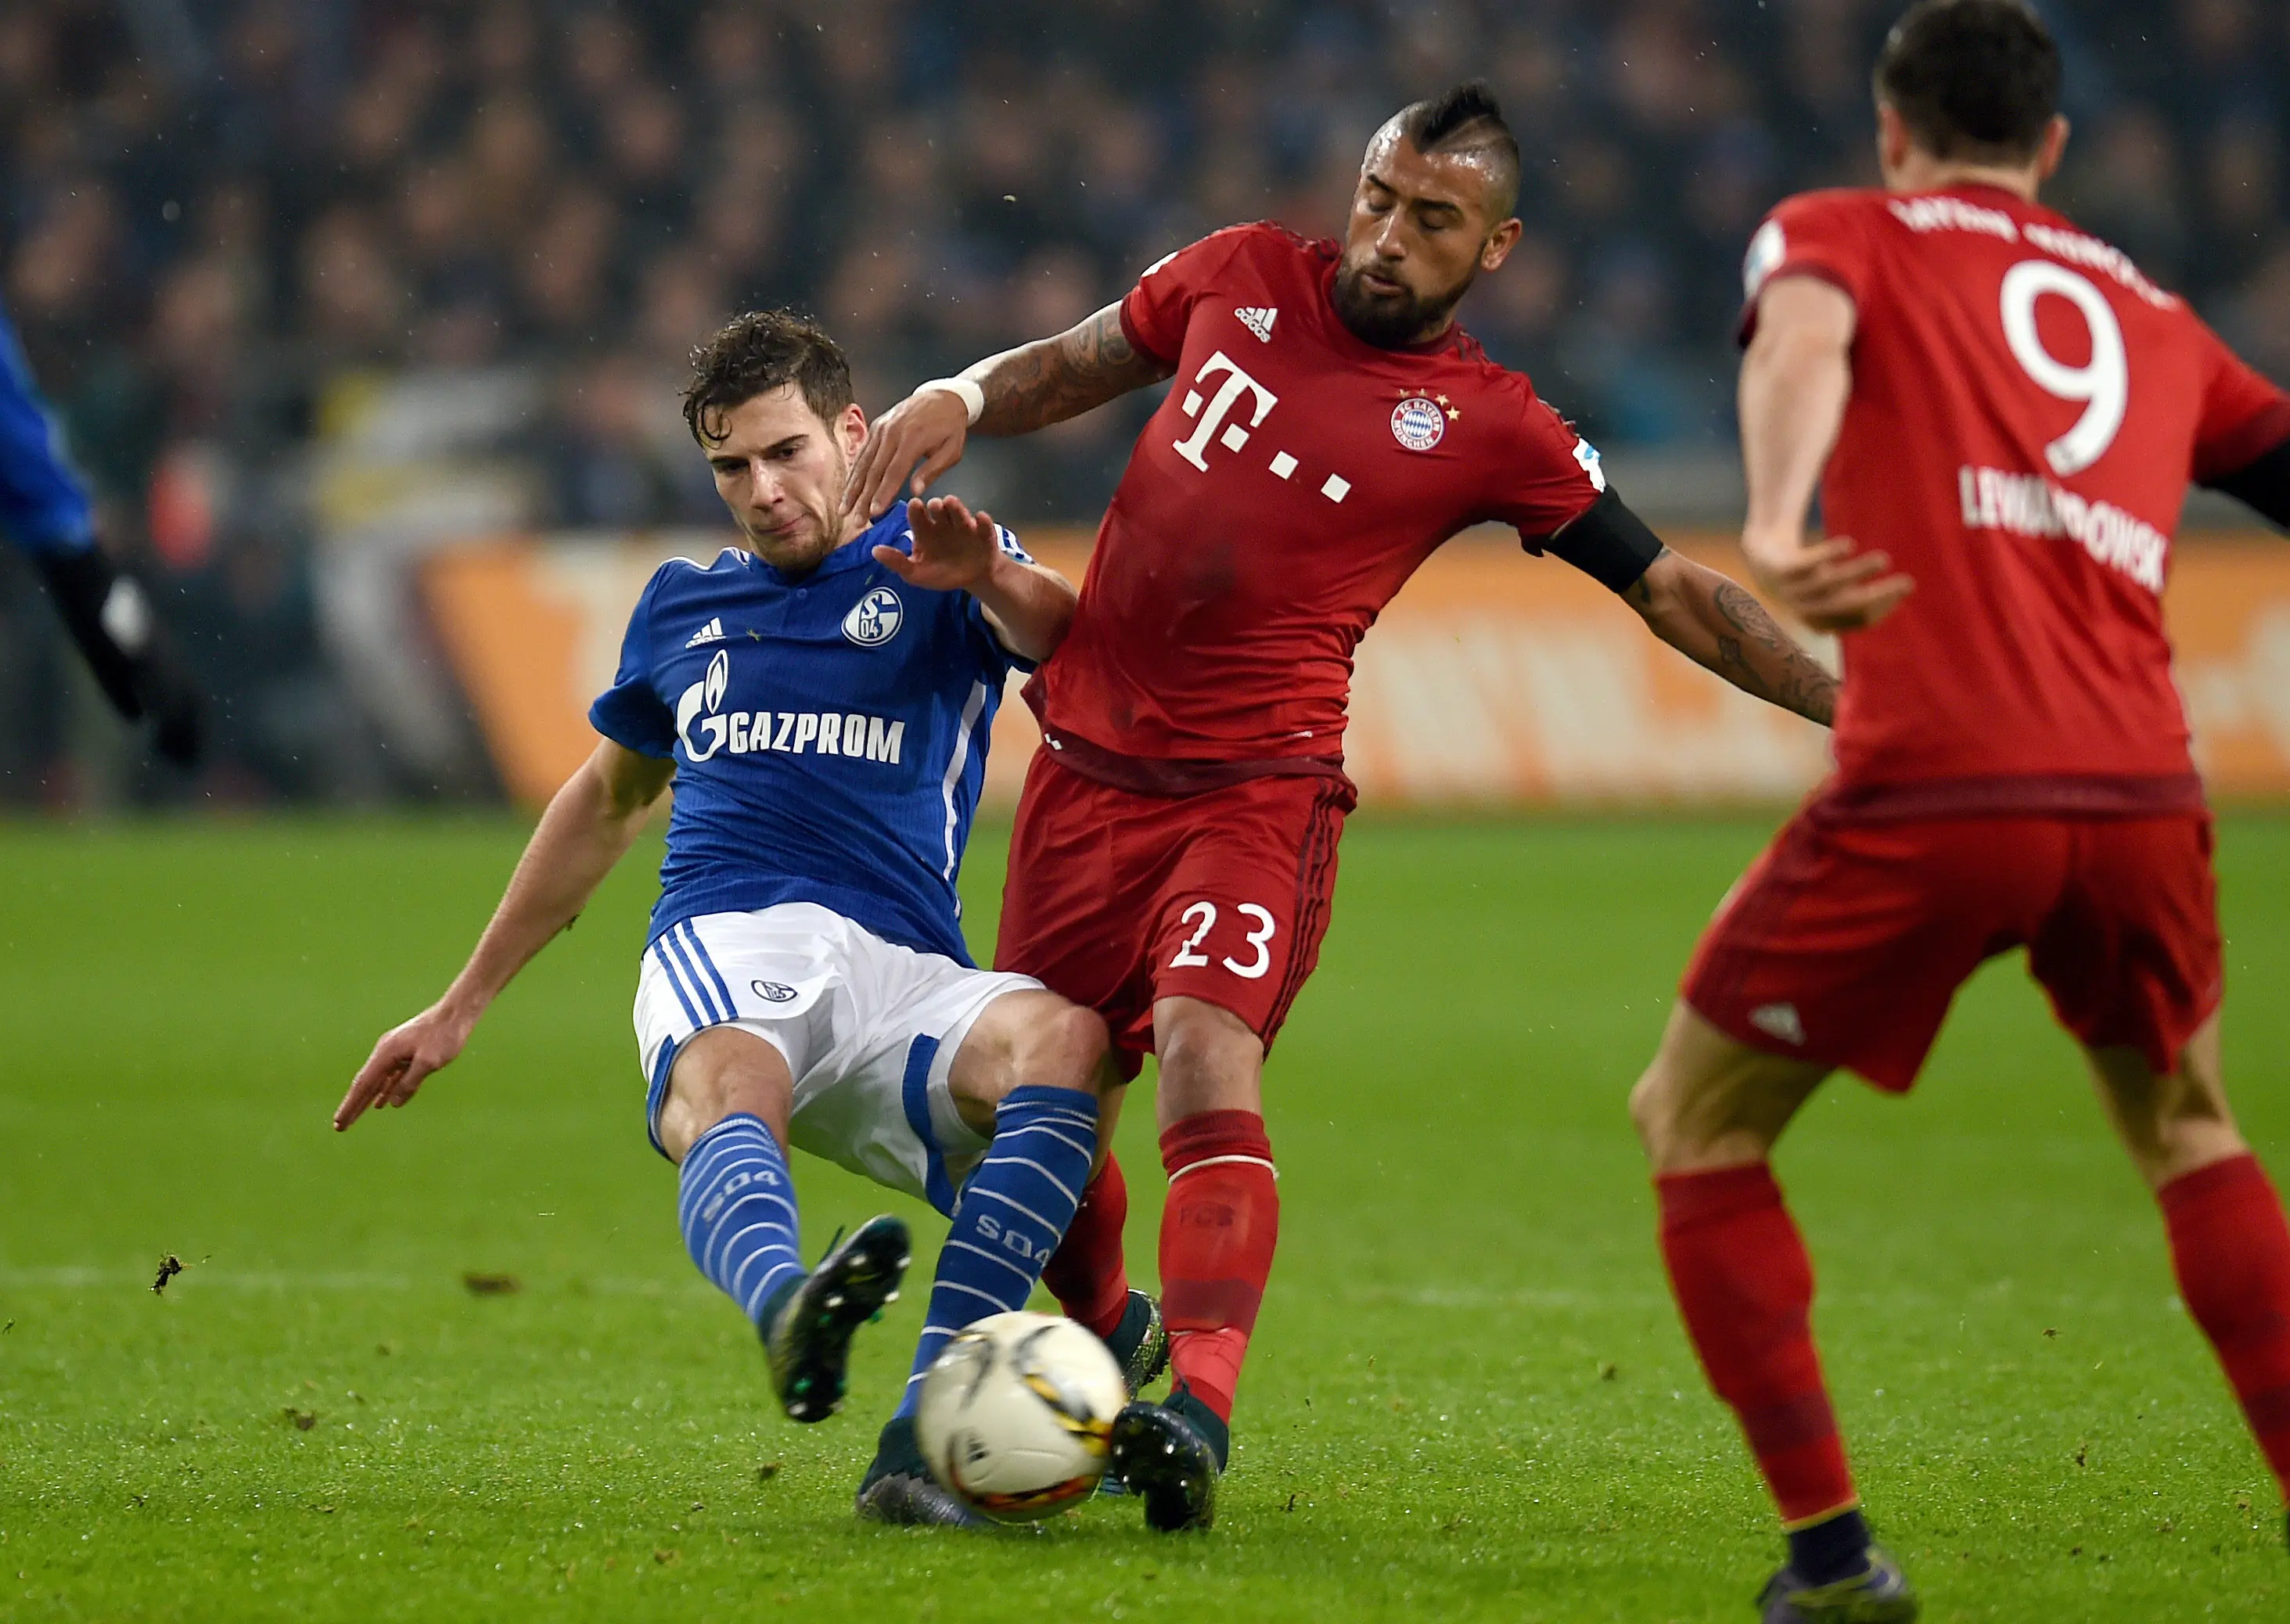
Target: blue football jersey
(44,506)
(828,734)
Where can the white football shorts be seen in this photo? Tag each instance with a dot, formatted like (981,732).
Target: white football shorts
(869,1028)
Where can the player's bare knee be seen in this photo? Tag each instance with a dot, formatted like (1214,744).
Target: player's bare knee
(2171,1122)
(1650,1112)
(1061,1047)
(1069,1042)
(1210,1060)
(1028,1039)
(1681,1129)
(1658,1099)
(724,1072)
(1067,1050)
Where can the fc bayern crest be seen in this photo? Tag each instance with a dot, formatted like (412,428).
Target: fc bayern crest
(1418,423)
(874,620)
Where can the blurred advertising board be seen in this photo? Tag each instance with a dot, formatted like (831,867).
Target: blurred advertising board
(1494,679)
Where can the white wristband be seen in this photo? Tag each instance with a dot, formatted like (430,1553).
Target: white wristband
(965,389)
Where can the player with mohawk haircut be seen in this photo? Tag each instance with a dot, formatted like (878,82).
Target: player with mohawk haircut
(1176,850)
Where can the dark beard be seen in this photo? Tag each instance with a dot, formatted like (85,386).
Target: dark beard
(1387,324)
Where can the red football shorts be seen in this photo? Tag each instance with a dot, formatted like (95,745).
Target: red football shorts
(1115,899)
(1845,941)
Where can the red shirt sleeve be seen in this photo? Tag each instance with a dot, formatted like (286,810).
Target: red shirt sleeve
(1155,315)
(1549,474)
(1818,233)
(2245,416)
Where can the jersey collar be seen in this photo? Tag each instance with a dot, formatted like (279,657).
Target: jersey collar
(1985,189)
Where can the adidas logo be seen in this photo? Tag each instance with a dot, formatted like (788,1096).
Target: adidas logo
(713,632)
(1779,1021)
(1258,320)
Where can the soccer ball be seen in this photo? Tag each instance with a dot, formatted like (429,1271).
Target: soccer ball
(1016,1414)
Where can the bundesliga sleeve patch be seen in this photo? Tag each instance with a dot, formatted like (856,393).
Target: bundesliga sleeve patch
(1767,250)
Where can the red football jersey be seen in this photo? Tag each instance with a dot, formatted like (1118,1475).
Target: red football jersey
(1293,480)
(2026,413)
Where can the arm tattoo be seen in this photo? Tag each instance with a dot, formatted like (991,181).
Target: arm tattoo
(1758,657)
(1714,622)
(1052,379)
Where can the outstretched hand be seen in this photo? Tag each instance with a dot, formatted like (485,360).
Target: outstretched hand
(1830,584)
(402,1060)
(954,548)
(928,427)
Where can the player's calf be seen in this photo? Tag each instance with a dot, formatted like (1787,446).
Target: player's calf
(2230,1250)
(1089,1274)
(1709,1110)
(1221,1223)
(1012,1213)
(736,1207)
(2229,1244)
(1031,1064)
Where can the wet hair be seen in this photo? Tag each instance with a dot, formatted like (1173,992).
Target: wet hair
(758,352)
(1468,119)
(1977,80)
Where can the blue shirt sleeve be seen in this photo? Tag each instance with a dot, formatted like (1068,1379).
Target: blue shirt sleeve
(631,712)
(995,660)
(44,506)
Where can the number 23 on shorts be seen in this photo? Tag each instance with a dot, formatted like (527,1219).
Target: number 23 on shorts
(1258,941)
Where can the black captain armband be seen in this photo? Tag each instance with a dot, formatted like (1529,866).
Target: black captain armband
(2263,486)
(1607,542)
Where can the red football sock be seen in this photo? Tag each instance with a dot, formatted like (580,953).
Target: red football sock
(1217,1234)
(2231,1250)
(1744,1286)
(1087,1274)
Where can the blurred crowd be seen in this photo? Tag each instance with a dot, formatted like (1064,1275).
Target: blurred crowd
(215,215)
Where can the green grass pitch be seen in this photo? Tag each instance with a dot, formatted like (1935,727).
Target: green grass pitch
(1468,1397)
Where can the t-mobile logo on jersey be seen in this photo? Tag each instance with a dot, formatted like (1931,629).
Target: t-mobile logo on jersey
(1220,405)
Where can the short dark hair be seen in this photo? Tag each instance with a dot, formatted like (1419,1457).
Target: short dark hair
(1972,79)
(758,352)
(1468,119)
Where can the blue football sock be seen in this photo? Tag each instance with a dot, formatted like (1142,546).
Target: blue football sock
(737,1210)
(1012,1214)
